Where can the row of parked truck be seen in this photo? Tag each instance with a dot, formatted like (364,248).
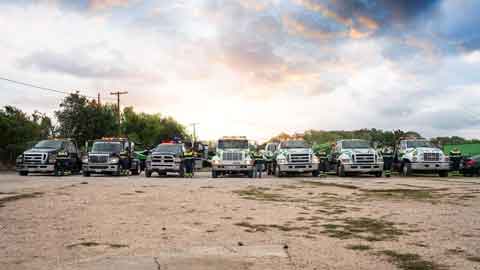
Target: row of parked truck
(117,156)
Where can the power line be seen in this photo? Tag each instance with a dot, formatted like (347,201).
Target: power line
(43,88)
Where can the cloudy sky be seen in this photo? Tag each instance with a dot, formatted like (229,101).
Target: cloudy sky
(255,68)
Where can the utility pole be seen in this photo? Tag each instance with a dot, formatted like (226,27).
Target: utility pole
(98,99)
(118,94)
(194,127)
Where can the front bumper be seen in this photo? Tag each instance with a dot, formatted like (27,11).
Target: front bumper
(232,168)
(363,168)
(101,168)
(300,168)
(430,166)
(35,168)
(163,167)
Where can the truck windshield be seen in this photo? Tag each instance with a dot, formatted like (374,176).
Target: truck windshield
(233,144)
(294,144)
(355,144)
(169,148)
(107,147)
(49,144)
(415,144)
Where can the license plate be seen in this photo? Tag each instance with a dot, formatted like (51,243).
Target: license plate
(230,167)
(98,170)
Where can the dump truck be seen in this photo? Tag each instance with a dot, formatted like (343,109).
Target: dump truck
(114,156)
(419,155)
(50,156)
(295,156)
(232,157)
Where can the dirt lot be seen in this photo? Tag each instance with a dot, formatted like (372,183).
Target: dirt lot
(418,223)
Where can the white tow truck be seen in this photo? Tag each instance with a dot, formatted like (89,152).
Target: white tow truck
(232,157)
(356,156)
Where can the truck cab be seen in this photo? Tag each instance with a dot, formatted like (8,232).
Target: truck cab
(50,156)
(232,157)
(165,158)
(295,156)
(356,156)
(419,155)
(114,156)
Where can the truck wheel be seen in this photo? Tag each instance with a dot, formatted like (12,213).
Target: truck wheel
(86,174)
(148,173)
(443,173)
(378,174)
(250,174)
(278,173)
(22,173)
(341,171)
(316,173)
(406,169)
(214,174)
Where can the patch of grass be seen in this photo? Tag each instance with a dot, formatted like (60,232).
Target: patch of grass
(139,191)
(473,258)
(410,261)
(405,194)
(363,228)
(359,247)
(19,197)
(264,227)
(207,187)
(261,194)
(95,244)
(317,183)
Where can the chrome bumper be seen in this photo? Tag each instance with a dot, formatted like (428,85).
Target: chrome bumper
(310,167)
(167,167)
(101,168)
(430,166)
(232,168)
(364,168)
(34,168)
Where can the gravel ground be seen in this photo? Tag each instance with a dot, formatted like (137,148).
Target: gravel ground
(417,223)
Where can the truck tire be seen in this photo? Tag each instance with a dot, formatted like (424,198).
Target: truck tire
(86,174)
(443,173)
(316,173)
(250,174)
(341,171)
(148,173)
(23,173)
(278,173)
(378,174)
(406,169)
(214,174)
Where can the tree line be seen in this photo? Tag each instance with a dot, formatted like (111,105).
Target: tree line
(81,119)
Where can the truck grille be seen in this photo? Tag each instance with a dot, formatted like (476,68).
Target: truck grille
(98,159)
(163,159)
(299,158)
(431,156)
(232,156)
(365,158)
(34,158)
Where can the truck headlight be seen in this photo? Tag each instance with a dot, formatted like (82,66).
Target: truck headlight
(282,161)
(346,160)
(414,159)
(149,158)
(315,159)
(19,159)
(114,160)
(216,162)
(248,161)
(178,160)
(85,159)
(52,158)
(447,159)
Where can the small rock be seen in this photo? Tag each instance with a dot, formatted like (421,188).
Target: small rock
(285,246)
(84,183)
(164,229)
(240,244)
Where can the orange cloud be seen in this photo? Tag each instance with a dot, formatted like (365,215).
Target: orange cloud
(298,28)
(105,4)
(317,7)
(368,22)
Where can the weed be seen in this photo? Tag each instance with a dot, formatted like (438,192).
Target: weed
(95,244)
(19,197)
(264,227)
(359,247)
(410,261)
(473,258)
(363,228)
(317,183)
(260,194)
